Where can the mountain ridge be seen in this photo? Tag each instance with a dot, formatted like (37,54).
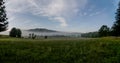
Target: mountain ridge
(41,30)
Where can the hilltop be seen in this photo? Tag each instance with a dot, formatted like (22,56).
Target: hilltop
(41,30)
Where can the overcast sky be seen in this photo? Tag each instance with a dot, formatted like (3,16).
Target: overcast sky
(62,15)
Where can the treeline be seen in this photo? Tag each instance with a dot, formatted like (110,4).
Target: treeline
(90,35)
(105,31)
(115,29)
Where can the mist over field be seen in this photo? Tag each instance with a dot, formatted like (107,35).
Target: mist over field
(59,31)
(26,33)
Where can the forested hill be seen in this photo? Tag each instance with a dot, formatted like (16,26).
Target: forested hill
(41,30)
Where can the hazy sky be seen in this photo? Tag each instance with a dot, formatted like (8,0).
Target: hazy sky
(62,15)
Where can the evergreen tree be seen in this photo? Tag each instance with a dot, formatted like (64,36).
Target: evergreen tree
(104,31)
(3,17)
(116,26)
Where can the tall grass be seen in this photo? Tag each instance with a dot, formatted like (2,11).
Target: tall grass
(99,50)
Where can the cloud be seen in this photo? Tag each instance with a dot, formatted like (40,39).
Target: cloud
(61,20)
(58,10)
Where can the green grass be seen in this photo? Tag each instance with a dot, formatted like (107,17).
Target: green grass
(99,50)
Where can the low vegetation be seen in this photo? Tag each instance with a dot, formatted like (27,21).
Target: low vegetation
(97,50)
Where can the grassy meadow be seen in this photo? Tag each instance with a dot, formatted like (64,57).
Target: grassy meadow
(97,50)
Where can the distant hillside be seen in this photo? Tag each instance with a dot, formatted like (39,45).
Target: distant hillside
(41,30)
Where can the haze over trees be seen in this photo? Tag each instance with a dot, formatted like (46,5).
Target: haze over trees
(33,36)
(3,17)
(90,35)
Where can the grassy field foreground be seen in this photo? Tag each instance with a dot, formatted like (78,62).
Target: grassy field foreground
(101,50)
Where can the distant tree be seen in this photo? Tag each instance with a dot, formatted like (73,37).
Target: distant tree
(18,33)
(30,35)
(33,36)
(46,37)
(3,17)
(104,31)
(116,25)
(13,32)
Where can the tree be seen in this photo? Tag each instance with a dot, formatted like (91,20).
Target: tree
(116,25)
(104,31)
(18,33)
(3,17)
(33,36)
(30,36)
(46,37)
(13,32)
